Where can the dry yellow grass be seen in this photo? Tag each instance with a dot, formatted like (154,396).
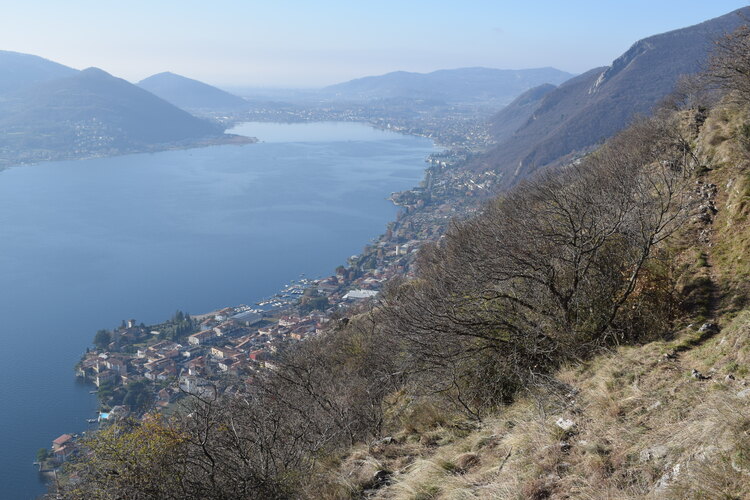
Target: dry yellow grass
(644,428)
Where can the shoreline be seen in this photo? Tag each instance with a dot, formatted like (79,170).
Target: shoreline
(226,140)
(393,250)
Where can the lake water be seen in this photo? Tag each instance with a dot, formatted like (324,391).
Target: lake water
(86,244)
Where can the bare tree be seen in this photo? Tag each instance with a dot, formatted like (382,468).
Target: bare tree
(218,449)
(547,274)
(729,66)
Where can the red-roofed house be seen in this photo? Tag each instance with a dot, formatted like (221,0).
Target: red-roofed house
(60,441)
(63,446)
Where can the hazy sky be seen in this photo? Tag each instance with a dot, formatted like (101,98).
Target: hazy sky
(286,43)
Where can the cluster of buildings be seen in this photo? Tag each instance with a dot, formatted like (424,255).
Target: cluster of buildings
(237,342)
(231,342)
(63,447)
(455,126)
(221,345)
(67,446)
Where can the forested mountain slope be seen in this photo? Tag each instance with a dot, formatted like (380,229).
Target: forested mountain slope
(588,109)
(91,113)
(19,71)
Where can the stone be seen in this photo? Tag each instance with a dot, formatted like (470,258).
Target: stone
(654,453)
(668,477)
(385,440)
(380,478)
(706,327)
(669,355)
(565,424)
(654,406)
(698,375)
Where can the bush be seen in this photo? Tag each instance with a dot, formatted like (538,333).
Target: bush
(553,271)
(729,66)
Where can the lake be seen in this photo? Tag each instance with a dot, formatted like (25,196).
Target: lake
(86,244)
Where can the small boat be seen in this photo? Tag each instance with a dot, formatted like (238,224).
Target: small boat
(92,420)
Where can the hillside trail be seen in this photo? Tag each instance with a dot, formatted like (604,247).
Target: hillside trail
(710,327)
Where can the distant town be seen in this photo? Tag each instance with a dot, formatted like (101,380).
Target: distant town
(457,127)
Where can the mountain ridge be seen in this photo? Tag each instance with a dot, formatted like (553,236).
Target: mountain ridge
(513,116)
(190,94)
(593,106)
(21,70)
(453,85)
(91,113)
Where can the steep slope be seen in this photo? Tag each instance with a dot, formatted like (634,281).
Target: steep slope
(19,71)
(597,104)
(91,113)
(450,85)
(509,119)
(667,418)
(190,94)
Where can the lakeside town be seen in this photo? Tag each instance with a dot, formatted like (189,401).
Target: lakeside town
(460,128)
(135,368)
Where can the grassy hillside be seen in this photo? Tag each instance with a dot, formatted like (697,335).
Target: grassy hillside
(668,418)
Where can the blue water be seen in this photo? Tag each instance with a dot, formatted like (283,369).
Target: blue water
(86,244)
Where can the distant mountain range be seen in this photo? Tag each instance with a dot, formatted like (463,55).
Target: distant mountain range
(19,71)
(50,111)
(449,85)
(591,107)
(190,94)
